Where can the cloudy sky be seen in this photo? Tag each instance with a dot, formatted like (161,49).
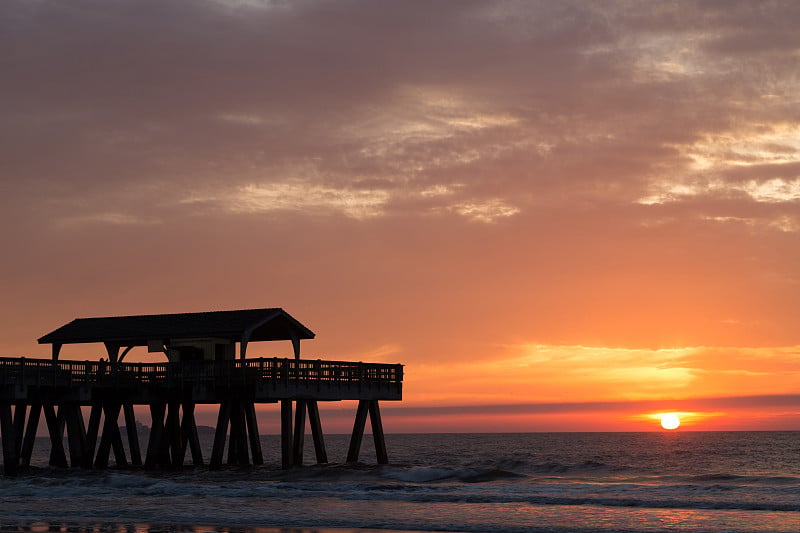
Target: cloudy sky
(558,215)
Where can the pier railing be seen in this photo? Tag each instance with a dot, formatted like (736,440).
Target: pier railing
(258,372)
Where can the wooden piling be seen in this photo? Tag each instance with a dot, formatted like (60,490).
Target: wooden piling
(58,456)
(173,442)
(92,431)
(218,449)
(244,442)
(316,432)
(76,433)
(252,431)
(233,439)
(111,439)
(116,435)
(153,456)
(190,436)
(377,433)
(237,447)
(287,460)
(299,432)
(358,431)
(9,438)
(368,407)
(20,411)
(133,434)
(30,434)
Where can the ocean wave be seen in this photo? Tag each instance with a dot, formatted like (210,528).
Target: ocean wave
(487,471)
(466,475)
(746,479)
(392,484)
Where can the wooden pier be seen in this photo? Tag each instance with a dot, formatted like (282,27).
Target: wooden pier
(201,368)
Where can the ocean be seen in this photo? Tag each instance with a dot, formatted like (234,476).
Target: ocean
(678,481)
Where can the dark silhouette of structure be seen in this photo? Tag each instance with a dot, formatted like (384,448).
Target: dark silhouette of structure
(203,366)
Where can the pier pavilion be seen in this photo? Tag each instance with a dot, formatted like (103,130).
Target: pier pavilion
(201,360)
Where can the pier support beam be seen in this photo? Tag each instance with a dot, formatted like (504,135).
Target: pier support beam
(240,415)
(172,441)
(157,410)
(377,433)
(358,431)
(55,428)
(92,431)
(316,432)
(170,435)
(111,438)
(298,444)
(287,459)
(368,407)
(30,434)
(252,431)
(237,445)
(133,434)
(172,431)
(299,432)
(9,440)
(219,435)
(190,436)
(76,433)
(20,411)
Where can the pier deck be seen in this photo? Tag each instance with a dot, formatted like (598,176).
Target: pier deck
(261,380)
(201,367)
(171,390)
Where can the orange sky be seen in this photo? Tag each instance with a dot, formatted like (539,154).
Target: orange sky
(557,215)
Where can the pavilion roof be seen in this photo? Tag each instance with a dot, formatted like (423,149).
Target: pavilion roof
(246,325)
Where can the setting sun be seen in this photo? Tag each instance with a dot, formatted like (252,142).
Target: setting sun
(670,421)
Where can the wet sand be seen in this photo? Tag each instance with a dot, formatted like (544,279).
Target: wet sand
(10,526)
